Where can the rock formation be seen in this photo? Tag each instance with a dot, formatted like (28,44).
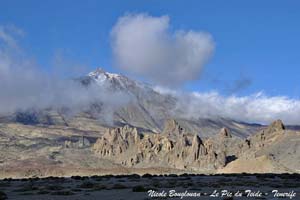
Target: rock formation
(224,133)
(271,150)
(266,136)
(29,150)
(178,149)
(174,148)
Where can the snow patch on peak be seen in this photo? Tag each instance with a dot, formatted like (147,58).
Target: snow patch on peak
(103,77)
(100,73)
(119,82)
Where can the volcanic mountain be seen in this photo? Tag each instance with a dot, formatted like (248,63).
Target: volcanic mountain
(146,109)
(144,135)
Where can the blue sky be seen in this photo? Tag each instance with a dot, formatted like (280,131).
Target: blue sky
(257,42)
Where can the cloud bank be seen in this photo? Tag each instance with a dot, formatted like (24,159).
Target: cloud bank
(145,46)
(255,108)
(24,87)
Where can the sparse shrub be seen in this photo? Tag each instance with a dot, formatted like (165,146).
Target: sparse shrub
(63,192)
(27,188)
(97,178)
(119,186)
(3,196)
(121,176)
(54,187)
(139,188)
(134,176)
(108,176)
(228,198)
(156,184)
(87,184)
(172,183)
(26,193)
(76,190)
(147,176)
(99,187)
(76,177)
(43,192)
(183,175)
(190,184)
(35,179)
(4,184)
(79,177)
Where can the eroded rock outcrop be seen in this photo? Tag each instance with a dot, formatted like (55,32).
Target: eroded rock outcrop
(178,149)
(226,145)
(266,136)
(224,133)
(174,148)
(271,150)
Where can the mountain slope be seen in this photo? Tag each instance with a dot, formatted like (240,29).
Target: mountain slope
(146,109)
(149,108)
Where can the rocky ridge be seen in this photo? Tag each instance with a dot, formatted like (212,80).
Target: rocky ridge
(176,148)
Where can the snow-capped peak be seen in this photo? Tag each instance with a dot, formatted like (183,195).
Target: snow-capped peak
(116,80)
(101,76)
(99,72)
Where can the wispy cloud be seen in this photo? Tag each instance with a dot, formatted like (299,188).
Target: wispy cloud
(24,86)
(144,45)
(257,107)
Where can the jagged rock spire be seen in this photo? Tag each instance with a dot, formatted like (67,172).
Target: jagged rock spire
(276,126)
(224,133)
(172,127)
(184,152)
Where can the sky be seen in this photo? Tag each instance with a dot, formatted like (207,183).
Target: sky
(243,48)
(256,43)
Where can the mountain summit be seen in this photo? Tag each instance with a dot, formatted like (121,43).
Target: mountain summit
(150,109)
(147,110)
(116,81)
(146,132)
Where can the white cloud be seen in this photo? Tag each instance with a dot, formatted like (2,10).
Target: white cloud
(144,45)
(25,87)
(258,107)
